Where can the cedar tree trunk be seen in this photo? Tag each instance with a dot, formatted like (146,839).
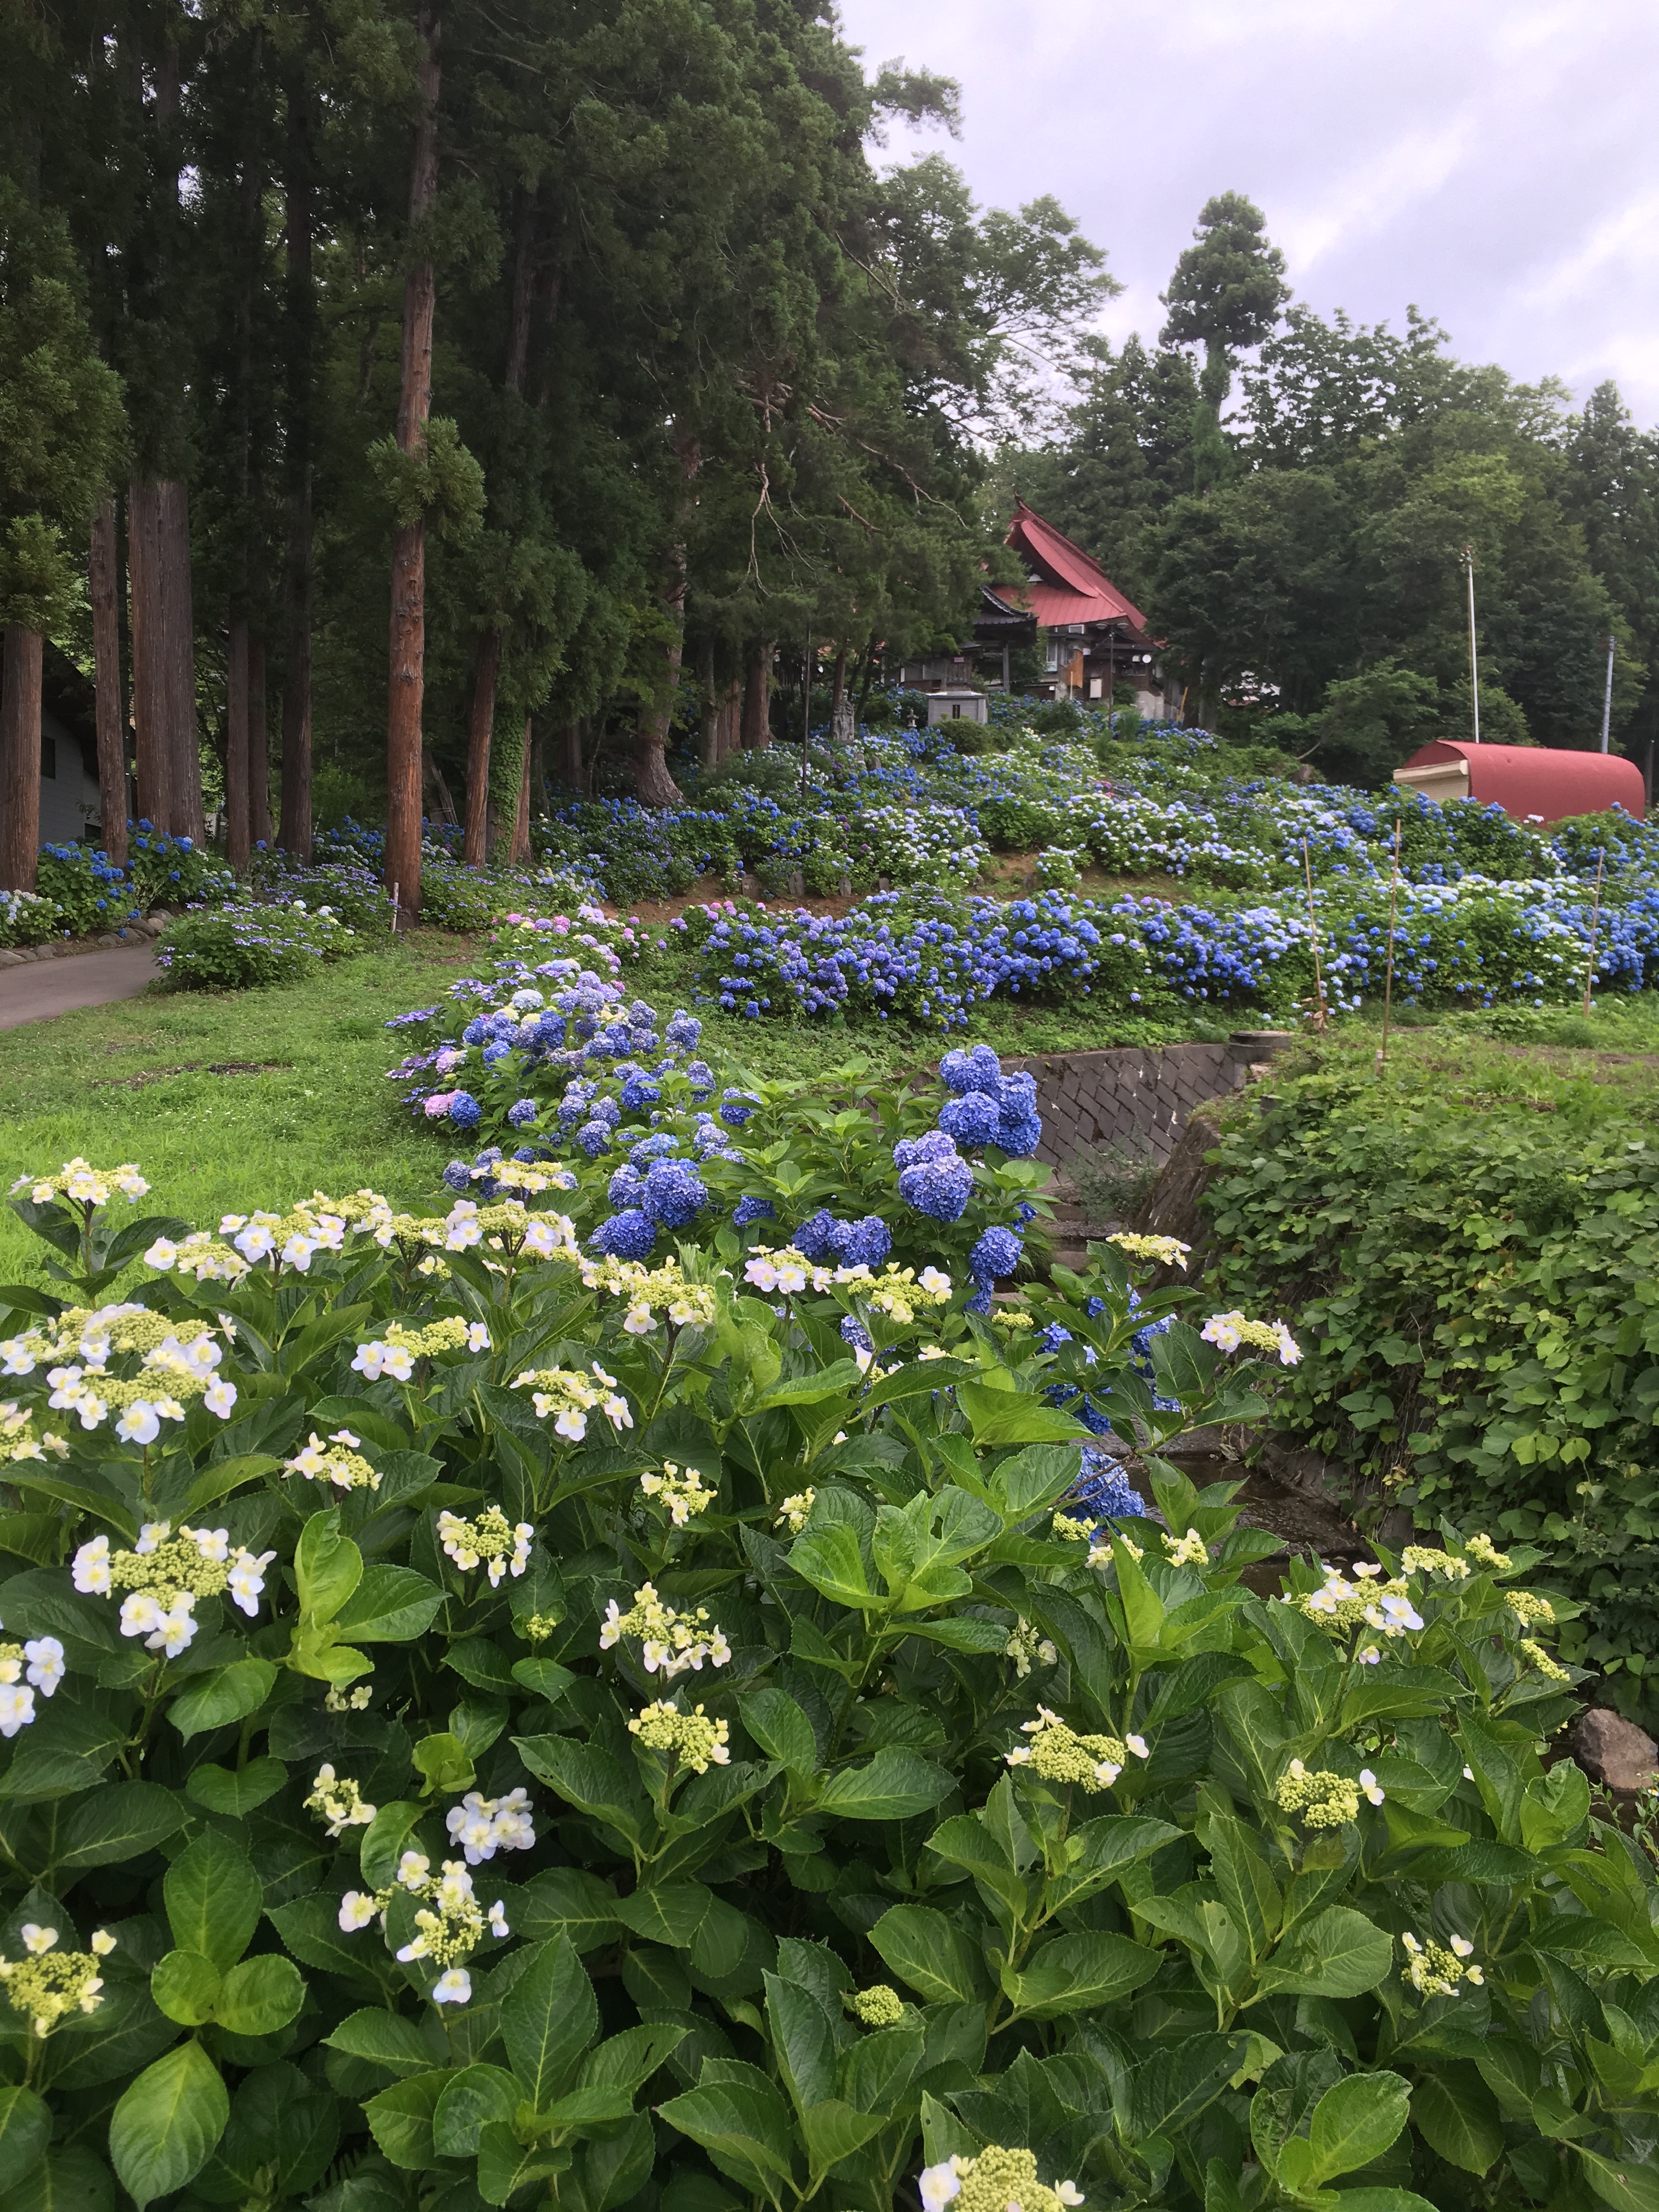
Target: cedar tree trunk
(259,759)
(103,586)
(19,758)
(480,729)
(300,314)
(156,802)
(520,852)
(407,679)
(757,698)
(237,838)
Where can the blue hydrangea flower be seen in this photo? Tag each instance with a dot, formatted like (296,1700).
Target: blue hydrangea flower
(684,1030)
(522,1112)
(996,1254)
(1019,1134)
(674,1194)
(736,1106)
(752,1209)
(1051,1339)
(607,1111)
(917,1151)
(639,1091)
(701,1077)
(865,1243)
(980,1069)
(654,1148)
(458,1176)
(972,1119)
(708,1136)
(594,1138)
(854,1332)
(464,1110)
(939,1188)
(1024,1212)
(526,1154)
(625,1186)
(1102,1488)
(815,1237)
(625,1236)
(495,1051)
(980,1301)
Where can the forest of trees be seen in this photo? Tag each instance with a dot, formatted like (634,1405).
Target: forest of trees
(383,385)
(404,401)
(1303,554)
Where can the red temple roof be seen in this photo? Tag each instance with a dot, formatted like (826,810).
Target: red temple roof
(1070,587)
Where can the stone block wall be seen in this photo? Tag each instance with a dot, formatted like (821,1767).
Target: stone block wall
(1138,1099)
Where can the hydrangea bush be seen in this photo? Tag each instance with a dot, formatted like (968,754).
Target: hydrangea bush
(654,1144)
(636,1750)
(231,948)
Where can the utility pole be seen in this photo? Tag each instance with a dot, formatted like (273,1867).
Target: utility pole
(1606,702)
(1474,664)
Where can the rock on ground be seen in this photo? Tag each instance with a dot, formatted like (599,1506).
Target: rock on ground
(1615,1753)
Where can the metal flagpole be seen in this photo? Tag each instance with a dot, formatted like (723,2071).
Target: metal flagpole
(1607,703)
(1474,664)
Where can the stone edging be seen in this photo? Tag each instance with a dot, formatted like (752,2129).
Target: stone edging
(1134,1098)
(65,948)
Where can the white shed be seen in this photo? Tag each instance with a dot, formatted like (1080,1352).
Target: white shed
(958,706)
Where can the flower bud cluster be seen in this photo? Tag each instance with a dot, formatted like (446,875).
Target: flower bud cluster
(50,1983)
(449,1924)
(1321,1799)
(491,1541)
(679,1492)
(692,1738)
(1058,1754)
(569,1397)
(651,1290)
(1232,1332)
(18,1440)
(879,2006)
(1166,1251)
(1188,1550)
(339,1801)
(1528,1608)
(1485,1553)
(997,2180)
(791,1514)
(1436,1970)
(1027,1647)
(82,1184)
(1341,1606)
(1542,1661)
(672,1641)
(1429,1560)
(167,1574)
(338,1461)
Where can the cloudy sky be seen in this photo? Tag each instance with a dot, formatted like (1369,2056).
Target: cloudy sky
(1491,161)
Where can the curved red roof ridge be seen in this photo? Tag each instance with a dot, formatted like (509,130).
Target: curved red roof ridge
(1083,591)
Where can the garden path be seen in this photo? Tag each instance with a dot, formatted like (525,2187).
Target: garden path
(42,989)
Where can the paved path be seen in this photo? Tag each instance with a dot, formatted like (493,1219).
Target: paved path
(41,989)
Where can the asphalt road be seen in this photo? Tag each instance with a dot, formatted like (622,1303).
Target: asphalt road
(41,989)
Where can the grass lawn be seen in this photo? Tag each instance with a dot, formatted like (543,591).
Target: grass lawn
(256,1097)
(226,1102)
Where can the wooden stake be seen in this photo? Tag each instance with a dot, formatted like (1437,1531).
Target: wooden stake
(1321,1018)
(1596,923)
(1387,980)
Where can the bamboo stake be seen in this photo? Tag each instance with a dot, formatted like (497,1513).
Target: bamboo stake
(1321,1018)
(1596,923)
(1388,982)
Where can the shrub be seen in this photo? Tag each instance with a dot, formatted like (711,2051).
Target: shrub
(658,1758)
(237,947)
(1465,1272)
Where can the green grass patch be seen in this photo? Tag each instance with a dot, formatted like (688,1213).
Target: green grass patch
(228,1101)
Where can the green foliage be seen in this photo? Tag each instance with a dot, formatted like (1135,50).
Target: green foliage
(234,947)
(1469,1273)
(934,1740)
(61,424)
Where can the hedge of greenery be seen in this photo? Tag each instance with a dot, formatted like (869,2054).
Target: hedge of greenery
(81,891)
(488,1725)
(1472,1281)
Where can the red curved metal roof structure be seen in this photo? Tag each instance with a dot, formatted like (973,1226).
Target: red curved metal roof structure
(1071,587)
(1540,782)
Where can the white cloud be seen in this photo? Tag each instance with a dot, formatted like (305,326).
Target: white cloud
(1486,160)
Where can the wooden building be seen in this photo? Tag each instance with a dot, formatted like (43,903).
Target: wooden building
(1090,636)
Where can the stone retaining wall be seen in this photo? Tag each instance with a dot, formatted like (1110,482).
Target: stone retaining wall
(1139,1100)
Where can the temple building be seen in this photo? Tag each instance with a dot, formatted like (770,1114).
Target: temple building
(1089,635)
